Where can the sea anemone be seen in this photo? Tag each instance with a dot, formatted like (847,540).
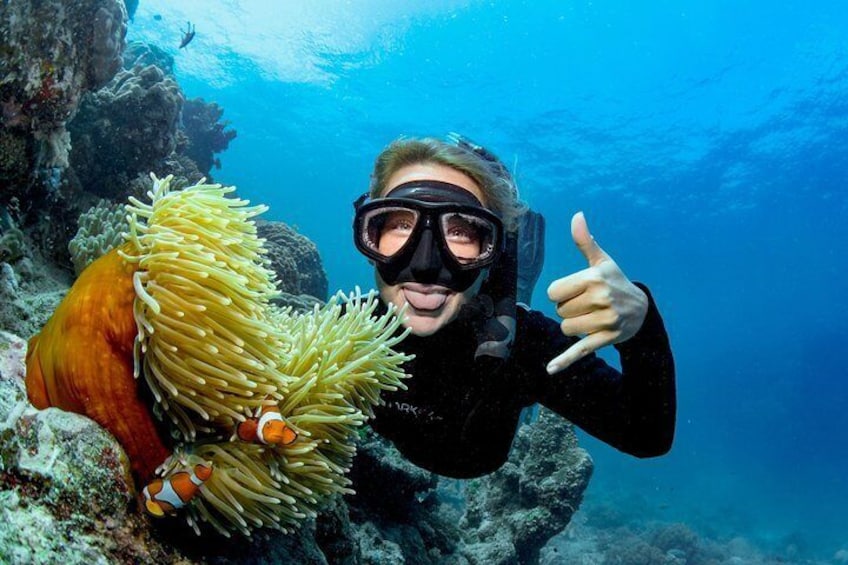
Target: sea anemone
(214,351)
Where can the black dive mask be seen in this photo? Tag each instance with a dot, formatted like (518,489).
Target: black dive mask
(428,232)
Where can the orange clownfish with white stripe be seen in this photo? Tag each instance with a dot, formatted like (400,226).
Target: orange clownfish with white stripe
(268,427)
(166,496)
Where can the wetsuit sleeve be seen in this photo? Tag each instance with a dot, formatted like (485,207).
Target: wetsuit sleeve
(633,410)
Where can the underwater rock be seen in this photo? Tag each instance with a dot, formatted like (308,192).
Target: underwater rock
(15,155)
(59,472)
(125,129)
(386,483)
(12,244)
(295,260)
(27,297)
(399,514)
(206,135)
(396,514)
(531,498)
(56,52)
(138,53)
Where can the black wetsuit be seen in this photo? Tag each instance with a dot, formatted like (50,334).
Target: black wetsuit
(458,417)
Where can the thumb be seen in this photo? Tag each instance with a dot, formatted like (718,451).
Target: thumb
(585,242)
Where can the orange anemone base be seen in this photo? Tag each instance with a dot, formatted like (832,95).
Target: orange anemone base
(82,361)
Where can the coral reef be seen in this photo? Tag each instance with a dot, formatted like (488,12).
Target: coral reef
(403,513)
(397,512)
(56,52)
(124,129)
(295,260)
(637,542)
(52,465)
(12,244)
(206,136)
(28,295)
(515,511)
(73,125)
(142,54)
(99,232)
(14,154)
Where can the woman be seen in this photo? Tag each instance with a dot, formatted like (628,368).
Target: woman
(439,225)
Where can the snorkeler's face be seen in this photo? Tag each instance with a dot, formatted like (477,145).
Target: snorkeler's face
(429,306)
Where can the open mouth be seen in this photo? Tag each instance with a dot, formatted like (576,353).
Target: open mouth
(425,298)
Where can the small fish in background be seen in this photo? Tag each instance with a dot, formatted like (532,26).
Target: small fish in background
(188,35)
(157,17)
(166,496)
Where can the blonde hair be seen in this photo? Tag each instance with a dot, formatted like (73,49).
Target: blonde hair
(498,188)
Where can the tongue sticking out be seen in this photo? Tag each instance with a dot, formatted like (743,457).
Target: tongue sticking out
(425,301)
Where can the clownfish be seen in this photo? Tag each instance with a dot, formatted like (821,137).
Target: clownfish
(268,428)
(166,496)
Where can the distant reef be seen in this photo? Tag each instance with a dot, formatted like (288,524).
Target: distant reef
(85,116)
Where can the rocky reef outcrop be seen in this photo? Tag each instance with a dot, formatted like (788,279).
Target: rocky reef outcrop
(81,117)
(28,295)
(513,513)
(54,53)
(295,259)
(125,129)
(205,133)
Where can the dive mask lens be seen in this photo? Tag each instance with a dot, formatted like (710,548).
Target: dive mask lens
(387,228)
(468,237)
(385,231)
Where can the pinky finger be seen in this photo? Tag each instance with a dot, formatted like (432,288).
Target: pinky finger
(579,350)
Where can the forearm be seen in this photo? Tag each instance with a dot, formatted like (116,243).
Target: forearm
(648,385)
(632,410)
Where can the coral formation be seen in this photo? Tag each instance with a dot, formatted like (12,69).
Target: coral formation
(56,52)
(532,497)
(142,54)
(28,295)
(12,244)
(99,232)
(295,260)
(186,304)
(124,129)
(52,464)
(206,135)
(14,155)
(503,518)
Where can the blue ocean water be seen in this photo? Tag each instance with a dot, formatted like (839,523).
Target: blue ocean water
(706,142)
